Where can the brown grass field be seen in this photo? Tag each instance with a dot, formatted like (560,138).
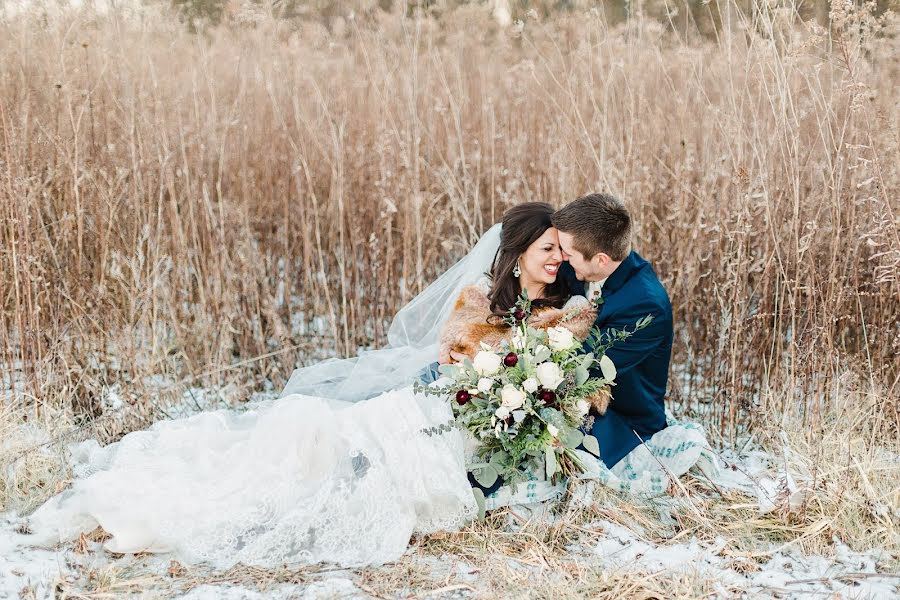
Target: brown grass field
(212,209)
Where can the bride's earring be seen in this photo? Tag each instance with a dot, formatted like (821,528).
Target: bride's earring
(517,270)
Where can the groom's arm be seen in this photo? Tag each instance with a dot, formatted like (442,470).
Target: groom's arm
(629,353)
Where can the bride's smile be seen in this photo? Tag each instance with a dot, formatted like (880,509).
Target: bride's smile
(539,264)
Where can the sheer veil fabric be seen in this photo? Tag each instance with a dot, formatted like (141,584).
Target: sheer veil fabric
(317,475)
(412,337)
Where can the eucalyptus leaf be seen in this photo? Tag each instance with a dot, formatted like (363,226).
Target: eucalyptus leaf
(551,463)
(591,444)
(450,370)
(587,361)
(607,368)
(551,415)
(581,375)
(542,356)
(487,476)
(499,458)
(572,438)
(536,334)
(518,415)
(479,500)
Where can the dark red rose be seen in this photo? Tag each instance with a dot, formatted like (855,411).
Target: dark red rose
(547,397)
(462,396)
(511,360)
(518,314)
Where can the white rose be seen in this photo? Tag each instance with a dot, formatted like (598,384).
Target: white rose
(487,363)
(530,385)
(560,338)
(485,384)
(511,398)
(583,407)
(552,430)
(549,374)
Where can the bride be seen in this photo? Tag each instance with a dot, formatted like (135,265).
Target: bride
(337,469)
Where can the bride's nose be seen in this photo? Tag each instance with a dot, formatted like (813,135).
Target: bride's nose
(557,255)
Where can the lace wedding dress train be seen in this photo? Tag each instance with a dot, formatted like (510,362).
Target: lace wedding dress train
(295,480)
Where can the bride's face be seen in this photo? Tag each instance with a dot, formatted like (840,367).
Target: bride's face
(540,262)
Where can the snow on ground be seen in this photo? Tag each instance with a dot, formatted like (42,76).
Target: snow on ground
(849,574)
(23,568)
(785,572)
(336,587)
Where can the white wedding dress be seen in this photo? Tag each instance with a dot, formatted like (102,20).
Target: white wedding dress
(295,480)
(337,470)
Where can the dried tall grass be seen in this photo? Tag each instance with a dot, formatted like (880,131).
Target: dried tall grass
(217,207)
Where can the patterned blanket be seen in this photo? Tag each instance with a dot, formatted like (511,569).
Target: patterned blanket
(646,471)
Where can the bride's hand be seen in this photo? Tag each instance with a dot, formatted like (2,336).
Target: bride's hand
(457,357)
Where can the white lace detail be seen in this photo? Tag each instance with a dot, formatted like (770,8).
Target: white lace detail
(297,480)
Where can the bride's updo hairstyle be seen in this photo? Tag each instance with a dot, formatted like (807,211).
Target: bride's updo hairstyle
(522,226)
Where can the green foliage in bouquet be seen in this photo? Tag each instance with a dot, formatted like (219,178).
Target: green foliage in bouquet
(526,403)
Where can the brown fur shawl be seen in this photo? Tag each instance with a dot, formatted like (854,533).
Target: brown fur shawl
(468,324)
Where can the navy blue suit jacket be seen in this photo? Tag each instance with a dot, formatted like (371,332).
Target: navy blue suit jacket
(642,361)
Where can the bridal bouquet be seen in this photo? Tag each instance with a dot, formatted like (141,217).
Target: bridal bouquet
(526,403)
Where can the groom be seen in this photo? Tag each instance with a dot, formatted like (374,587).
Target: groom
(595,238)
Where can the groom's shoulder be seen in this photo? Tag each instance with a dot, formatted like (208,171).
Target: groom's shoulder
(648,286)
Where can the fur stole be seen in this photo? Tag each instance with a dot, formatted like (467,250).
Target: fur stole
(471,323)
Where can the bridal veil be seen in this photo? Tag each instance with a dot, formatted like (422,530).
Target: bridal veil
(412,338)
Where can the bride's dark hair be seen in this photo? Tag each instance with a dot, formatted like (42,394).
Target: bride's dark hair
(522,225)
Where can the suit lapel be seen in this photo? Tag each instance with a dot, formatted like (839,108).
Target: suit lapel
(622,274)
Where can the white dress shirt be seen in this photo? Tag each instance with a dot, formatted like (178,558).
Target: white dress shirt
(595,290)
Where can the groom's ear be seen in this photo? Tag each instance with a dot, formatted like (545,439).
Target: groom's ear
(601,259)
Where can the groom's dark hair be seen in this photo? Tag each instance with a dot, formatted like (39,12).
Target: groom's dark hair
(598,223)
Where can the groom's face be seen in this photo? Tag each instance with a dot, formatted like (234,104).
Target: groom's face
(585,269)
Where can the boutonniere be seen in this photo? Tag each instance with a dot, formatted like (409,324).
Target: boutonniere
(599,302)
